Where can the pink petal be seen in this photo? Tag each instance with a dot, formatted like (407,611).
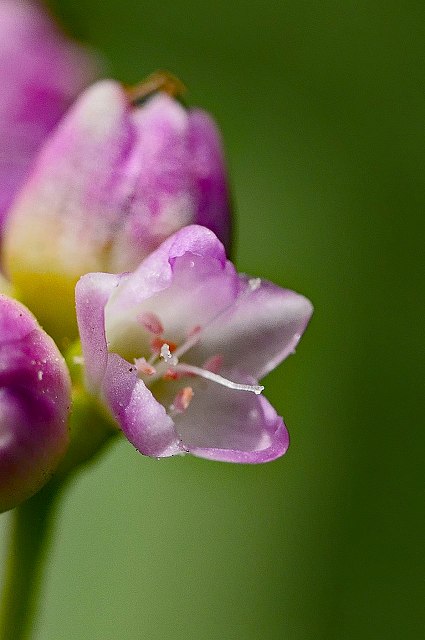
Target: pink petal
(91,294)
(233,426)
(185,283)
(208,167)
(143,419)
(260,330)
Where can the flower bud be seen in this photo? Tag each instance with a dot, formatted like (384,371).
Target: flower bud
(41,73)
(34,403)
(114,180)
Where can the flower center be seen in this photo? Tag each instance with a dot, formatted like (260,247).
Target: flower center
(165,364)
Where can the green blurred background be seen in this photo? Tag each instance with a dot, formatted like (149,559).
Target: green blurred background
(321,105)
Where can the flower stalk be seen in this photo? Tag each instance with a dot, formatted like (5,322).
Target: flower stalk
(31,525)
(32,520)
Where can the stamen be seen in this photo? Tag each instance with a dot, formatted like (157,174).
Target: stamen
(165,353)
(171,374)
(214,377)
(182,400)
(143,367)
(157,343)
(151,322)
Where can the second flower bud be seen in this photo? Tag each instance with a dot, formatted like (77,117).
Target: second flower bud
(117,177)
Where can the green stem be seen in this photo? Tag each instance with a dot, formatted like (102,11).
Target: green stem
(29,536)
(91,432)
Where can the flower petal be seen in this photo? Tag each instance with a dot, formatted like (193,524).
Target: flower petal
(185,283)
(233,426)
(260,330)
(208,167)
(91,294)
(143,419)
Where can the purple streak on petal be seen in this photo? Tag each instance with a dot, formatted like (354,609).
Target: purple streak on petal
(91,294)
(41,72)
(233,426)
(143,419)
(158,195)
(34,404)
(175,175)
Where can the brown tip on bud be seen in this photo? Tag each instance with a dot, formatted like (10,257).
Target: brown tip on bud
(158,81)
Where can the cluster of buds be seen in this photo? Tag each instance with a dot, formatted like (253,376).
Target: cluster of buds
(116,234)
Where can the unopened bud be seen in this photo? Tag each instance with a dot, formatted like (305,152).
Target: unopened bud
(115,179)
(35,399)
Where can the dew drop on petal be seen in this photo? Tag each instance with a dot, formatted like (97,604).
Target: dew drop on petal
(254,283)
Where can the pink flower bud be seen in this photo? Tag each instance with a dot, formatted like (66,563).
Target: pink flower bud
(41,73)
(34,403)
(115,179)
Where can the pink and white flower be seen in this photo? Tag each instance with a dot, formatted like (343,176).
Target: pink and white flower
(175,350)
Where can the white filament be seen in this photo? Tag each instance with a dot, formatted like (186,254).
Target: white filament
(173,361)
(214,377)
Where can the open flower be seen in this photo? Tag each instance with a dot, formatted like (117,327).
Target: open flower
(176,348)
(115,179)
(41,73)
(34,404)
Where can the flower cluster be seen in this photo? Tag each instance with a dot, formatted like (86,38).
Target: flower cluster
(117,225)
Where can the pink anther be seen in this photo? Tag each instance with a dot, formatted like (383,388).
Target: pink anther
(143,367)
(183,399)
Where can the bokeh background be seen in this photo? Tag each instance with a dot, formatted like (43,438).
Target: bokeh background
(321,105)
